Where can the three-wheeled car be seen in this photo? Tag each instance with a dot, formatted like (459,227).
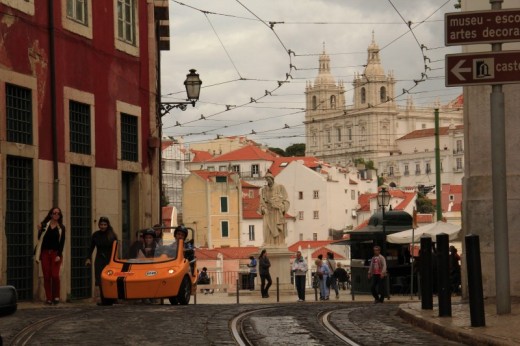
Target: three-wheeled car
(148,270)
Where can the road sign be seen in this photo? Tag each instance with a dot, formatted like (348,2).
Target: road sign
(490,26)
(483,68)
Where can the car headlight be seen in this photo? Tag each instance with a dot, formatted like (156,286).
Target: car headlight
(171,271)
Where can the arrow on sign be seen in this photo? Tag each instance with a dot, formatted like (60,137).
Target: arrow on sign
(457,70)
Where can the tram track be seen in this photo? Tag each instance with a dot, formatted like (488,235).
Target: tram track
(243,337)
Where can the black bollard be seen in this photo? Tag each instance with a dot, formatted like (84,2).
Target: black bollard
(476,295)
(426,273)
(443,274)
(238,293)
(277,289)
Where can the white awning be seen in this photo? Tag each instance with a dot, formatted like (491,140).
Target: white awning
(405,237)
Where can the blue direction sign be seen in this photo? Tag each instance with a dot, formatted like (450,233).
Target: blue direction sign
(483,68)
(490,26)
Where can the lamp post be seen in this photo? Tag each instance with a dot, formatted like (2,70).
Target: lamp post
(192,84)
(383,199)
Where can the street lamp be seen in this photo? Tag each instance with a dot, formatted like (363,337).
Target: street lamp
(192,84)
(383,199)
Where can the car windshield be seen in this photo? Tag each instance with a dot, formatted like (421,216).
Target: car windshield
(145,252)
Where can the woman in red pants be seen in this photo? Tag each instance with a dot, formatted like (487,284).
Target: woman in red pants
(49,250)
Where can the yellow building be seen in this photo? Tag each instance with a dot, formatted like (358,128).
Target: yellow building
(212,206)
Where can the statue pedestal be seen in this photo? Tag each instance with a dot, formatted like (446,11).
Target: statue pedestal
(280,259)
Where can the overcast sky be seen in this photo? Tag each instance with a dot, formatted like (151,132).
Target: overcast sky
(241,59)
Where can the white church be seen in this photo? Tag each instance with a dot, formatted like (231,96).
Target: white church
(371,127)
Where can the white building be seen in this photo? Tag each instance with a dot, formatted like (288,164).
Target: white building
(414,162)
(323,201)
(174,162)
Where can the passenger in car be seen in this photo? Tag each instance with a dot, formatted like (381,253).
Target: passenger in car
(137,245)
(149,245)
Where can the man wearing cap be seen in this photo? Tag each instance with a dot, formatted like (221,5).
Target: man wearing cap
(273,206)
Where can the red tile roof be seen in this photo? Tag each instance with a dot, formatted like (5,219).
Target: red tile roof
(280,163)
(362,225)
(247,153)
(313,244)
(323,251)
(227,252)
(200,155)
(206,175)
(428,132)
(406,196)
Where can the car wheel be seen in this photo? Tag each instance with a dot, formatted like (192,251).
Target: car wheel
(184,291)
(107,301)
(174,301)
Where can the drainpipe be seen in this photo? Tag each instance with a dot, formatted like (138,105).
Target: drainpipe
(54,136)
(159,117)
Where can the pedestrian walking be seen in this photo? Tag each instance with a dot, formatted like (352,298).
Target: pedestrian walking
(252,272)
(342,276)
(102,240)
(324,273)
(299,269)
(333,279)
(377,272)
(49,252)
(455,276)
(265,276)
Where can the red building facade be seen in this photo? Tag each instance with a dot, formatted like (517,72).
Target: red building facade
(78,127)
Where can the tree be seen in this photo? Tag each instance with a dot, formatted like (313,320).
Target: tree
(278,151)
(295,150)
(424,204)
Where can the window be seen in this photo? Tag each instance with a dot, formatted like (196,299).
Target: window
(235,168)
(417,169)
(129,138)
(349,134)
(338,134)
(315,236)
(77,11)
(391,171)
(300,194)
(333,102)
(79,127)
(352,195)
(224,227)
(316,194)
(211,168)
(300,238)
(251,194)
(223,204)
(363,95)
(314,139)
(406,170)
(19,114)
(451,197)
(26,6)
(459,163)
(459,146)
(126,24)
(251,232)
(222,168)
(255,170)
(329,138)
(316,214)
(382,94)
(221,179)
(177,165)
(314,103)
(300,215)
(428,168)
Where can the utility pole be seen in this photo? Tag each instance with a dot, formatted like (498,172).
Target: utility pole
(437,167)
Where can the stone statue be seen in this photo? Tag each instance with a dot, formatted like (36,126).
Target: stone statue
(273,206)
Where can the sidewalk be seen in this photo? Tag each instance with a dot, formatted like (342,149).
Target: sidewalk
(499,329)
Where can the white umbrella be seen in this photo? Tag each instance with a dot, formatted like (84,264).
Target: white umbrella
(432,229)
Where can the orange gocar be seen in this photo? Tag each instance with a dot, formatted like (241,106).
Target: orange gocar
(168,272)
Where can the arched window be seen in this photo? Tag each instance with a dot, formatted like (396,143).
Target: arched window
(333,102)
(382,94)
(363,95)
(314,103)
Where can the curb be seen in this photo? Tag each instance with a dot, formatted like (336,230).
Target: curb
(450,333)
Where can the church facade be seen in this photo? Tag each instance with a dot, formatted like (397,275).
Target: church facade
(368,128)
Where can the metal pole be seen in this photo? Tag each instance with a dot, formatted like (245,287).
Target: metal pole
(476,295)
(498,171)
(387,277)
(438,186)
(277,289)
(238,293)
(426,273)
(443,275)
